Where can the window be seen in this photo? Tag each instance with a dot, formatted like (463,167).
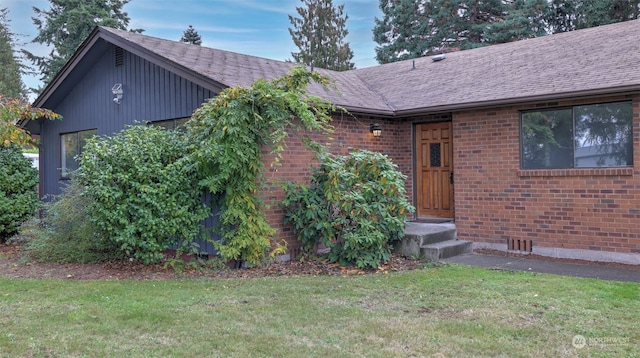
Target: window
(590,136)
(71,145)
(170,123)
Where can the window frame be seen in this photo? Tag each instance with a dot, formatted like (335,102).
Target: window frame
(573,109)
(65,174)
(173,123)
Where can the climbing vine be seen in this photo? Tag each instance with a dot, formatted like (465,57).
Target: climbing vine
(231,131)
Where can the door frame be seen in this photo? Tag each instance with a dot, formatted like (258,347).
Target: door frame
(416,168)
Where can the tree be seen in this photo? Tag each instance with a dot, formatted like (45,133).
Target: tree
(523,19)
(404,30)
(11,84)
(320,34)
(13,110)
(67,23)
(191,36)
(411,28)
(562,16)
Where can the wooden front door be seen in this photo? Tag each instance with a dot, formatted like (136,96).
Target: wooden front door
(434,170)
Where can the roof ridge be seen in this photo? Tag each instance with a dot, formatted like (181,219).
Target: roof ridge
(111,29)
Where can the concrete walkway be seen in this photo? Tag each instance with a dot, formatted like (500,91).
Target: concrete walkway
(512,263)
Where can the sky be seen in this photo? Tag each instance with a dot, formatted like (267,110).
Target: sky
(253,27)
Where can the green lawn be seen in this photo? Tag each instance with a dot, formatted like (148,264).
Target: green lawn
(450,311)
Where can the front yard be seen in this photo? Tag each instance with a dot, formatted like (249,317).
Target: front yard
(448,311)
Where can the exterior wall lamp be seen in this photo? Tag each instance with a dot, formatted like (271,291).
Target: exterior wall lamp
(375,129)
(117,92)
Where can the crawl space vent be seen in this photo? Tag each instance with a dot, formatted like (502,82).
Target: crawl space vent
(520,245)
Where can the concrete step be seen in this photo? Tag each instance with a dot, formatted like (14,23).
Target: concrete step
(418,235)
(425,234)
(445,249)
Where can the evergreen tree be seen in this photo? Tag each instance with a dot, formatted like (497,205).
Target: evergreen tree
(569,15)
(414,28)
(523,19)
(191,36)
(67,23)
(320,34)
(11,84)
(405,30)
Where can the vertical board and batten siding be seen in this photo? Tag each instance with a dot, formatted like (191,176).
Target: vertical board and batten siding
(150,93)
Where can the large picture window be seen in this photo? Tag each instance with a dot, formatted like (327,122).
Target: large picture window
(590,136)
(71,145)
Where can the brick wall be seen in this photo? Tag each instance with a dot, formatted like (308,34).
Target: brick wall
(587,209)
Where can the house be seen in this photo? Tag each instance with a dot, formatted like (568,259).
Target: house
(492,137)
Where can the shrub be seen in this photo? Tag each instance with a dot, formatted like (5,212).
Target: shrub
(66,234)
(356,206)
(143,189)
(18,192)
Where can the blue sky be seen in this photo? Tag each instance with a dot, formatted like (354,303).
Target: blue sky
(254,27)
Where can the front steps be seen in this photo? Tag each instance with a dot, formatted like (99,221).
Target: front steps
(431,241)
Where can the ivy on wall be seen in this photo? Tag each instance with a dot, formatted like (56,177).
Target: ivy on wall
(230,132)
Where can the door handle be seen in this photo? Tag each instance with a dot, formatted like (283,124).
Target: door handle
(451,178)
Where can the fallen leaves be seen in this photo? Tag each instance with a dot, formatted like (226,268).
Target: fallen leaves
(13,265)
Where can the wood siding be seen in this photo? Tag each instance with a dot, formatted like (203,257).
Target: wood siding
(150,94)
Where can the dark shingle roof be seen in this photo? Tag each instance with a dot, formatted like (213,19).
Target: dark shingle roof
(601,59)
(593,61)
(233,69)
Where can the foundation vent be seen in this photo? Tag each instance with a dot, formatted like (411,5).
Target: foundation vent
(520,245)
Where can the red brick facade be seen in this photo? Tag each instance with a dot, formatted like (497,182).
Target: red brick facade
(495,200)
(584,209)
(350,132)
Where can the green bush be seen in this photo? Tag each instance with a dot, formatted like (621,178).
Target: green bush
(144,190)
(66,234)
(18,192)
(356,206)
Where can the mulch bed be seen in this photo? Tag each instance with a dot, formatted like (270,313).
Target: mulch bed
(13,264)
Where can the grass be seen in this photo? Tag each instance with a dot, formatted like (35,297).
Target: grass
(449,311)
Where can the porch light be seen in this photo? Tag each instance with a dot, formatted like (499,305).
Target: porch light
(117,93)
(375,129)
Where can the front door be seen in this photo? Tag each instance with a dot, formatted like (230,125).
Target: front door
(434,170)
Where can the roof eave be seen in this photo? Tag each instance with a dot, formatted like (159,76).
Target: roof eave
(182,71)
(99,33)
(369,111)
(67,68)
